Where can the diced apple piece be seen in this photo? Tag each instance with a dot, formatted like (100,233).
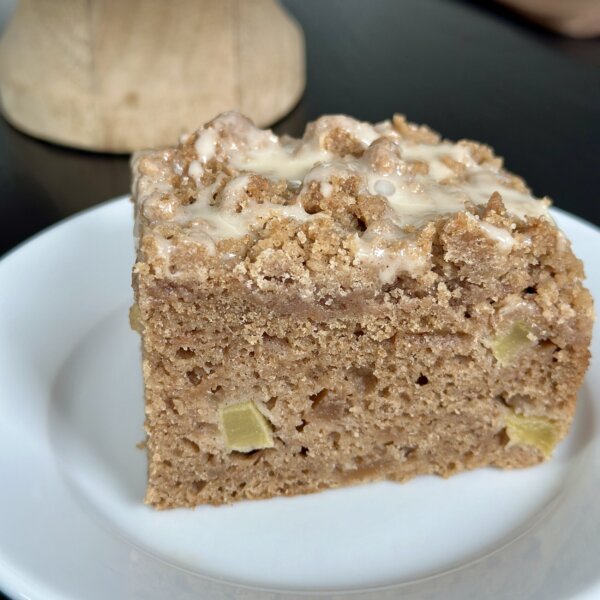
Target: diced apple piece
(539,432)
(135,318)
(506,347)
(245,428)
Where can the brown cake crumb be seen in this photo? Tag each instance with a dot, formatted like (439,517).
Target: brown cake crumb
(368,302)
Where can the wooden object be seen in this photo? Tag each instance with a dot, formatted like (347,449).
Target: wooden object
(117,76)
(575,18)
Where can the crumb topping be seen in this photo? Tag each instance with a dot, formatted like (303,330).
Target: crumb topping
(366,192)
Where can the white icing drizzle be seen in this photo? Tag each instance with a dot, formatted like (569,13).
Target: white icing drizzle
(326,189)
(196,170)
(233,217)
(389,262)
(384,187)
(206,145)
(447,178)
(431,154)
(282,162)
(502,237)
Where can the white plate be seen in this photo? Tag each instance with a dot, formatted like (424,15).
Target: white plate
(72,521)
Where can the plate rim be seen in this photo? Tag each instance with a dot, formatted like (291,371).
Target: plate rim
(15,253)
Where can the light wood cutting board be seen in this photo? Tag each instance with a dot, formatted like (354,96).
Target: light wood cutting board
(117,76)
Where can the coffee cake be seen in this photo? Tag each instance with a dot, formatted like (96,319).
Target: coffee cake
(366,302)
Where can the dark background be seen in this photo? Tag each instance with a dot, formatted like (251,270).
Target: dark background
(467,68)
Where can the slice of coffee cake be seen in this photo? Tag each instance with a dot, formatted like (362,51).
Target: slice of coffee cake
(367,302)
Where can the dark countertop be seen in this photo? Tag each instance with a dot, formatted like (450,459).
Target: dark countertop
(459,66)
